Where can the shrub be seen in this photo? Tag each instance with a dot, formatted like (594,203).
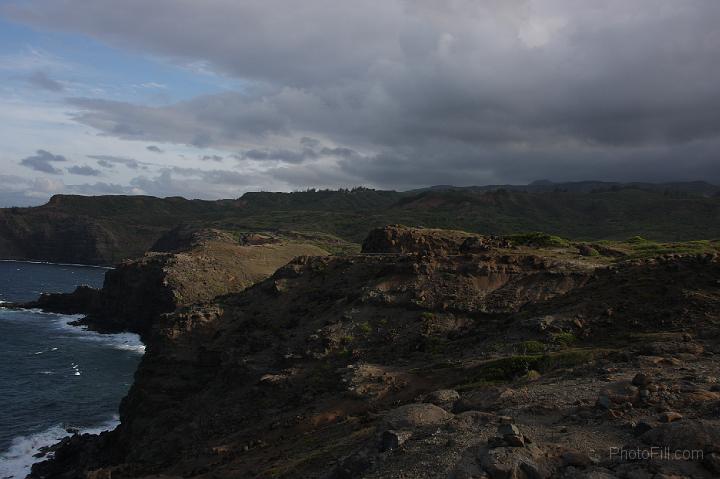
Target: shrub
(365,327)
(531,347)
(538,239)
(565,338)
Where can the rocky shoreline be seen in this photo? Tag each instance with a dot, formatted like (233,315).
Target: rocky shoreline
(430,354)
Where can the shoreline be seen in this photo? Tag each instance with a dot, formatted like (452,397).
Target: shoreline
(32,447)
(32,261)
(26,450)
(72,323)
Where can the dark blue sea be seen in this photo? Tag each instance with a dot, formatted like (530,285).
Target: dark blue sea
(54,376)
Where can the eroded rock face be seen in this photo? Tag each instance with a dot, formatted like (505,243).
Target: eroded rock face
(426,241)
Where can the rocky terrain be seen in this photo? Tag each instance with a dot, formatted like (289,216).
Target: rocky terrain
(104,230)
(431,354)
(184,267)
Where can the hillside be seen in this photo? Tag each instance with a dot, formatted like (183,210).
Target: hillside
(104,230)
(184,267)
(431,354)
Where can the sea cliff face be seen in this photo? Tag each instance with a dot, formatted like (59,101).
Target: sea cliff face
(422,357)
(186,266)
(99,230)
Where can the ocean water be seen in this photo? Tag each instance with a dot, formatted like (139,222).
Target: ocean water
(54,376)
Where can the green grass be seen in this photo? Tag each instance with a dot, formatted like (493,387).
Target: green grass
(538,239)
(531,347)
(640,248)
(365,328)
(564,339)
(511,367)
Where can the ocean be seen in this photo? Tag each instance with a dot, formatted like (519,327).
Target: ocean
(54,376)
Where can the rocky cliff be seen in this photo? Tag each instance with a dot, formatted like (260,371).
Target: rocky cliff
(499,362)
(100,230)
(184,267)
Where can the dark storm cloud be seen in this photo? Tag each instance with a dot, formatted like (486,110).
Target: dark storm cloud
(41,80)
(278,154)
(42,161)
(411,93)
(84,170)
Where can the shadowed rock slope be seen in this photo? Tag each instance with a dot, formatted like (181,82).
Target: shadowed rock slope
(186,266)
(497,362)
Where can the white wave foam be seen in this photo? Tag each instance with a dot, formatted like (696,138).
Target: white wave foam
(121,341)
(15,463)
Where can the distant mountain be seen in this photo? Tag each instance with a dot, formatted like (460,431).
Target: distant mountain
(106,229)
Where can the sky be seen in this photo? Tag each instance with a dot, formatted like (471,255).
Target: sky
(214,98)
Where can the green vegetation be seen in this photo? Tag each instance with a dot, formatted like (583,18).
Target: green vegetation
(511,367)
(531,347)
(365,328)
(564,339)
(638,247)
(538,239)
(126,226)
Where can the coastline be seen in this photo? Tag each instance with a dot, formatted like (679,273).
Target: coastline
(17,459)
(30,261)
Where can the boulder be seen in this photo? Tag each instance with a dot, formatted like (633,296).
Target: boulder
(689,434)
(514,463)
(619,392)
(641,380)
(391,439)
(670,416)
(444,398)
(416,415)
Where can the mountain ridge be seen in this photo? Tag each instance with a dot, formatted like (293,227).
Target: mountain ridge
(104,230)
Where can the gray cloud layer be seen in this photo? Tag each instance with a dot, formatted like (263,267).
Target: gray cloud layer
(153,149)
(407,93)
(109,161)
(84,170)
(42,161)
